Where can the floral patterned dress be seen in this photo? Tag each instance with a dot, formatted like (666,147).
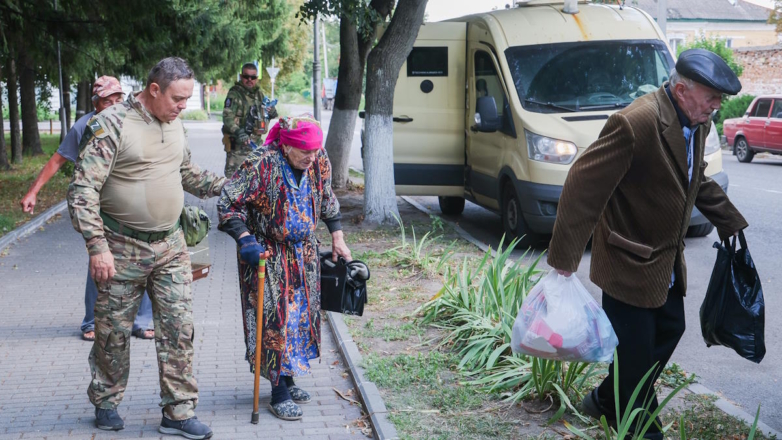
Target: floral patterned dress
(281,213)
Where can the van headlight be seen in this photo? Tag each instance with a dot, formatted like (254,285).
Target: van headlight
(546,149)
(712,142)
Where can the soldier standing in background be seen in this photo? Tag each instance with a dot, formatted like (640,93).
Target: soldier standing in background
(244,119)
(125,199)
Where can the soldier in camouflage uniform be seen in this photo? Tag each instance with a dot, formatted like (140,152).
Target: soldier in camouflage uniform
(125,199)
(244,119)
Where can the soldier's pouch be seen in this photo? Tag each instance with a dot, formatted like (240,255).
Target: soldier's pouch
(116,342)
(186,336)
(118,296)
(227,143)
(261,127)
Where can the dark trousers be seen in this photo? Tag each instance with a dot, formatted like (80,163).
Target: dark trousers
(647,338)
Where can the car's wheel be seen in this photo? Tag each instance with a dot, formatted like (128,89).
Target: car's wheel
(513,219)
(743,152)
(451,205)
(700,230)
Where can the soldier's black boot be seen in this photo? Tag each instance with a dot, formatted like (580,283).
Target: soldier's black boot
(190,428)
(108,419)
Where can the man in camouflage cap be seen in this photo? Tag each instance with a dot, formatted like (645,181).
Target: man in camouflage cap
(125,199)
(245,119)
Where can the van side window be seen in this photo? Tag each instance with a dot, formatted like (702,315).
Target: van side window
(487,81)
(762,108)
(427,61)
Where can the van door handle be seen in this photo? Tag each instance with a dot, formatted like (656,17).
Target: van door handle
(402,119)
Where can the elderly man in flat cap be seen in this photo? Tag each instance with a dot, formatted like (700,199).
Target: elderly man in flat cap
(633,191)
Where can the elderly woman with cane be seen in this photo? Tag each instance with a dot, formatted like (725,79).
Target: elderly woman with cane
(271,208)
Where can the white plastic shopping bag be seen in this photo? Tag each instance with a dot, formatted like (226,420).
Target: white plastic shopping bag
(560,320)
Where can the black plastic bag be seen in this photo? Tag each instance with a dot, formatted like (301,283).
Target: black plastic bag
(343,285)
(733,312)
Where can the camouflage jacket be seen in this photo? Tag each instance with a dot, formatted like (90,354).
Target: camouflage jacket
(100,149)
(243,113)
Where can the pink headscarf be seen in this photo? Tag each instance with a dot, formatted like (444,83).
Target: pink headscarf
(306,136)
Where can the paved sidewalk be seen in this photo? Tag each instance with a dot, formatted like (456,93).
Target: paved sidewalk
(43,362)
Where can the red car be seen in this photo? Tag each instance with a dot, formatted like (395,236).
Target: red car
(760,130)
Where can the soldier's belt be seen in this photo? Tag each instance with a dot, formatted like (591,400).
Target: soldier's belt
(127,231)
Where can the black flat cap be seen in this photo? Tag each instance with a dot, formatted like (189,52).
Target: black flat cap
(707,68)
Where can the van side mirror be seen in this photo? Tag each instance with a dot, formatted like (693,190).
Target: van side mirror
(487,120)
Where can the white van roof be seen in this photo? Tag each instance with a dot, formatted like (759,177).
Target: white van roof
(543,22)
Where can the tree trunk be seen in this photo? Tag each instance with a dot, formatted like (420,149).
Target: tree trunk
(4,164)
(383,66)
(31,140)
(353,56)
(83,99)
(339,140)
(66,97)
(13,110)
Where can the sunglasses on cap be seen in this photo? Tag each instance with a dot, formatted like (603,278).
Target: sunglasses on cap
(250,77)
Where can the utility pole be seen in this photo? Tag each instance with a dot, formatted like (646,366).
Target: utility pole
(662,16)
(316,72)
(325,53)
(62,98)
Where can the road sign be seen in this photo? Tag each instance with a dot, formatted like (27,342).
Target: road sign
(273,71)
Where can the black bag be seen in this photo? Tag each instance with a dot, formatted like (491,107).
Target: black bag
(733,312)
(343,285)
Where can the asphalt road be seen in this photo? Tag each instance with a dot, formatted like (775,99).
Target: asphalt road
(756,189)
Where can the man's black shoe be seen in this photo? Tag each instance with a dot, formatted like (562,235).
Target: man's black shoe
(591,406)
(108,419)
(190,428)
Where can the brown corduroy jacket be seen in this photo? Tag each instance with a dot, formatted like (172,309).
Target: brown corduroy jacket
(630,191)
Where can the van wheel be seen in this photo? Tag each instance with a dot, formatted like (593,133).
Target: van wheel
(700,230)
(513,219)
(451,205)
(743,152)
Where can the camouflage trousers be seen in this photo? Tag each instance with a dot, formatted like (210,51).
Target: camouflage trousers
(234,159)
(163,268)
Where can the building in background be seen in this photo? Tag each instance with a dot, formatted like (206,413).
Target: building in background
(738,22)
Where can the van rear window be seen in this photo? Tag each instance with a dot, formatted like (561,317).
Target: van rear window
(428,61)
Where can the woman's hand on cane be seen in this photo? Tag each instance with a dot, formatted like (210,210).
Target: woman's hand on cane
(250,250)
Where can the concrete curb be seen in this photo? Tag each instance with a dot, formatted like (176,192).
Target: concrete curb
(32,226)
(370,394)
(696,388)
(733,410)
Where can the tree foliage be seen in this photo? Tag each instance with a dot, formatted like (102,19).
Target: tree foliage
(294,56)
(775,16)
(717,46)
(361,13)
(110,37)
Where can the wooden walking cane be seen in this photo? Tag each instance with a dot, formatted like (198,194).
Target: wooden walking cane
(259,335)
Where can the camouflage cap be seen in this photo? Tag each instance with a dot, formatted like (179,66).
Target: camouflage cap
(106,86)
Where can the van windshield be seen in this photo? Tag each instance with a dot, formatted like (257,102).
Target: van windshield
(587,76)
